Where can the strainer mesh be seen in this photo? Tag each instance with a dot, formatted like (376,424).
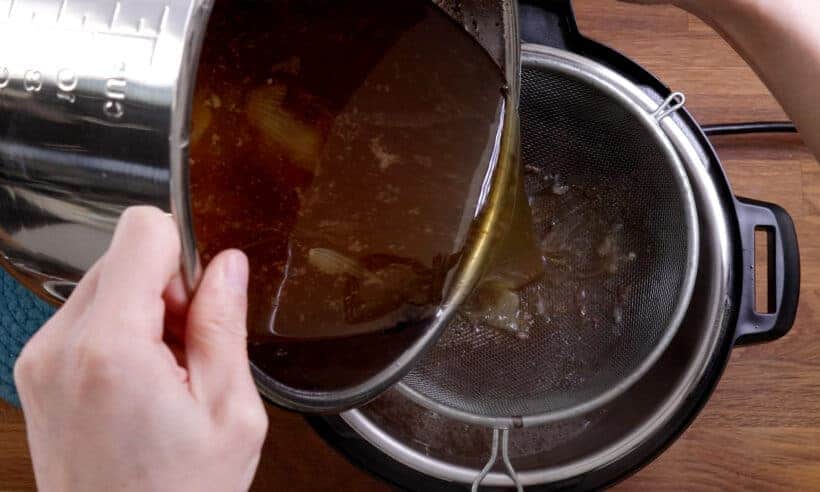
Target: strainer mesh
(600,187)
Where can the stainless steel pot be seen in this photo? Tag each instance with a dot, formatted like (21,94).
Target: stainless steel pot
(95,101)
(94,97)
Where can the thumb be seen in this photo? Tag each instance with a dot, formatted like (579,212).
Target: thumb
(216,332)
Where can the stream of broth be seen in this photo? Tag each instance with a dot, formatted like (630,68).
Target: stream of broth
(348,149)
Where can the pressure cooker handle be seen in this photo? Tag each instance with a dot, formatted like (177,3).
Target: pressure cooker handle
(783,272)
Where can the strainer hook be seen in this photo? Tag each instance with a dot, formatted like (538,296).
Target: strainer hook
(674,102)
(505,457)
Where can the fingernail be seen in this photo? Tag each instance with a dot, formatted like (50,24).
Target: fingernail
(236,271)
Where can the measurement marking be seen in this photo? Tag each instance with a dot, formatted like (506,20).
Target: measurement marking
(114,15)
(62,9)
(135,35)
(70,98)
(67,80)
(141,24)
(33,81)
(163,21)
(11,8)
(153,53)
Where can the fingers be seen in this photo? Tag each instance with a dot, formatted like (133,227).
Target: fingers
(144,257)
(216,336)
(136,289)
(176,296)
(120,292)
(176,310)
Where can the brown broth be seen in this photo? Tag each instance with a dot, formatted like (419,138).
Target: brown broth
(347,147)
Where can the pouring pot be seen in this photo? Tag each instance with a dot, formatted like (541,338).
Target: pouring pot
(95,97)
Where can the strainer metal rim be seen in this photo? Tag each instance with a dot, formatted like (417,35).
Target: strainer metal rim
(650,113)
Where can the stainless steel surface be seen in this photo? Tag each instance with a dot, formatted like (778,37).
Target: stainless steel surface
(93,99)
(94,114)
(449,449)
(576,110)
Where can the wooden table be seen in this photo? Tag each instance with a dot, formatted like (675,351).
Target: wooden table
(761,429)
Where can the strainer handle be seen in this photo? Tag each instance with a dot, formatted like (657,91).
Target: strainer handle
(505,457)
(783,271)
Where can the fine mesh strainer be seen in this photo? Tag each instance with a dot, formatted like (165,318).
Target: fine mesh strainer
(615,216)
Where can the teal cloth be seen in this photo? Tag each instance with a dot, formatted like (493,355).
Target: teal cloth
(21,314)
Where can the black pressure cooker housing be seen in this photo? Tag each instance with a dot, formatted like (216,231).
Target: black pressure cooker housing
(552,23)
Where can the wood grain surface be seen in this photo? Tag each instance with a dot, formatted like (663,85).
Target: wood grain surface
(761,429)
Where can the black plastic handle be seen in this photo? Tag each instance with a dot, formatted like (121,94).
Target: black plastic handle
(784,272)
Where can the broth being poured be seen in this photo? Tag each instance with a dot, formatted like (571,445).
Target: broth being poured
(349,148)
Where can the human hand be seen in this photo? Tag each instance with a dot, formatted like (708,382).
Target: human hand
(679,3)
(690,5)
(131,387)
